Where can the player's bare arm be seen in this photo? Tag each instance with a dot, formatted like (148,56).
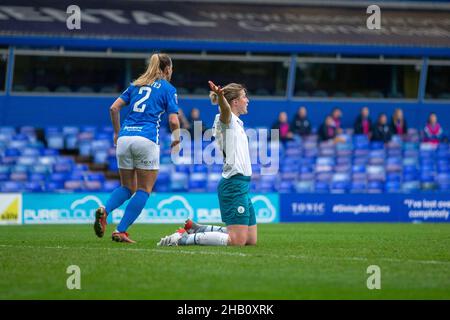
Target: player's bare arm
(114,112)
(174,124)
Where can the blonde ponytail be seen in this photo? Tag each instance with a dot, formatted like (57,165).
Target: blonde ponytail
(155,69)
(214,97)
(231,91)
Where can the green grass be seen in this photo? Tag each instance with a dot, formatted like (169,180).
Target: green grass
(291,261)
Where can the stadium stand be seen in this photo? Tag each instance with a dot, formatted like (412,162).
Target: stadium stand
(73,159)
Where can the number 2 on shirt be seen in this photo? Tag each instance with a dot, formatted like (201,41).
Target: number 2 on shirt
(139,106)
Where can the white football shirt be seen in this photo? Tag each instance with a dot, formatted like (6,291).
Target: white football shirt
(233,143)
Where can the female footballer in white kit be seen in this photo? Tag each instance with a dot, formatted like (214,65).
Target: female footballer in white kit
(235,205)
(150,96)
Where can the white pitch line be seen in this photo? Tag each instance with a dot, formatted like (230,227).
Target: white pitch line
(237,254)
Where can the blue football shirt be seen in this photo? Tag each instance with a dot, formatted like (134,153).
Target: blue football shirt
(148,104)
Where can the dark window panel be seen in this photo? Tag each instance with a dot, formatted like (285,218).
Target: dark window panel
(69,74)
(260,78)
(3,66)
(356,80)
(438,82)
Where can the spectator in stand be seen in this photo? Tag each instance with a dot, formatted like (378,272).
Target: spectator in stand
(184,123)
(195,116)
(363,123)
(398,123)
(328,129)
(336,116)
(433,131)
(381,130)
(283,125)
(300,124)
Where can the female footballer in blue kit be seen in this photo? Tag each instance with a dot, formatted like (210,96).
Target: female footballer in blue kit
(235,205)
(150,96)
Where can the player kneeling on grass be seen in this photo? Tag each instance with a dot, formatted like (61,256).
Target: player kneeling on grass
(137,142)
(235,205)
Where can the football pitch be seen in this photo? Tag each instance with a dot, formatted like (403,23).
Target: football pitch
(291,261)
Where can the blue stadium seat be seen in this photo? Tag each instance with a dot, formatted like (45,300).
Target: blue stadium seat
(74,185)
(55,140)
(343,168)
(77,175)
(58,177)
(412,176)
(360,160)
(289,176)
(393,177)
(394,164)
(81,167)
(340,187)
(32,152)
(8,130)
(11,186)
(47,160)
(411,146)
(411,186)
(95,176)
(50,152)
(285,186)
(33,186)
(197,182)
(213,181)
(179,181)
(322,186)
(376,173)
(62,167)
(110,185)
(92,186)
(393,186)
(18,168)
(304,186)
(163,182)
(375,187)
(18,176)
(357,168)
(443,166)
(40,168)
(71,142)
(36,177)
(358,187)
(52,186)
(198,168)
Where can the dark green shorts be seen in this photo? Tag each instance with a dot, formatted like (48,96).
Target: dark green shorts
(235,204)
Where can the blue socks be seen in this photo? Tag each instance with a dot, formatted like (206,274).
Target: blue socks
(117,198)
(133,210)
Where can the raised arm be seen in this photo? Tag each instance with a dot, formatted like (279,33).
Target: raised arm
(224,106)
(114,112)
(174,124)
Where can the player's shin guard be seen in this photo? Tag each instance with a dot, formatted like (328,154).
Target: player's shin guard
(133,210)
(117,198)
(205,239)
